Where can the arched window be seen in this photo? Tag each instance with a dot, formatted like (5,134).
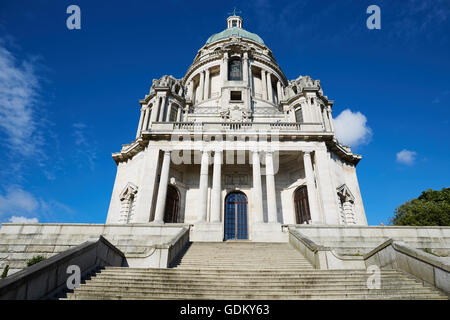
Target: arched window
(235,70)
(299,115)
(172,209)
(173,113)
(236,216)
(301,205)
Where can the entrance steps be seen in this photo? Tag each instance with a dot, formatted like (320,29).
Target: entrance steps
(246,270)
(241,255)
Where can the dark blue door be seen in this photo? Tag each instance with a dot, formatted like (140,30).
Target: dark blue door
(236,216)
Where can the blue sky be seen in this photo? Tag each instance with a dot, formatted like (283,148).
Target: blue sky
(69,98)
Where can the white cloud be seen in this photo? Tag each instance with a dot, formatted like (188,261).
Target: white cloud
(17,201)
(15,219)
(86,149)
(18,97)
(406,157)
(351,128)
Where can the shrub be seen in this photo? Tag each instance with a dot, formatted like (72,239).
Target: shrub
(5,272)
(35,260)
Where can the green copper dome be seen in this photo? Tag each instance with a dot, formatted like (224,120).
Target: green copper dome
(239,32)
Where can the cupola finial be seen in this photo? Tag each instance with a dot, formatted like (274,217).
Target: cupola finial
(234,21)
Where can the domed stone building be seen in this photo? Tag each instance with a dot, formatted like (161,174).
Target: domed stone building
(236,149)
(235,187)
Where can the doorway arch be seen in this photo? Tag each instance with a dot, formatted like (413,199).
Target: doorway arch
(172,209)
(236,216)
(301,205)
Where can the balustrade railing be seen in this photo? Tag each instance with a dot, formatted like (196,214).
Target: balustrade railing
(237,126)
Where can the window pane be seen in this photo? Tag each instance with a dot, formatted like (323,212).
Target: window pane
(234,70)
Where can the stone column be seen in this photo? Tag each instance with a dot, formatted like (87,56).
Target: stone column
(270,186)
(162,190)
(330,118)
(201,86)
(161,109)
(311,187)
(191,90)
(263,84)
(279,91)
(327,190)
(217,187)
(224,69)
(169,110)
(257,188)
(179,113)
(245,69)
(204,186)
(269,87)
(325,119)
(155,108)
(141,120)
(206,93)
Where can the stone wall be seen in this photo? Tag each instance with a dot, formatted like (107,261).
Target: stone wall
(144,245)
(359,240)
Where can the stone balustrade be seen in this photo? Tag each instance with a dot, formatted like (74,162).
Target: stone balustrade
(236,126)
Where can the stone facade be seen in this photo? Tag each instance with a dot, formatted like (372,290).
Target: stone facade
(234,123)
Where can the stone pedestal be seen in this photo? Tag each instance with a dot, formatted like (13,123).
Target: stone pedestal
(207,232)
(268,232)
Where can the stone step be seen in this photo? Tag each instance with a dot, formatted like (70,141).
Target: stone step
(293,270)
(254,296)
(203,285)
(247,271)
(234,291)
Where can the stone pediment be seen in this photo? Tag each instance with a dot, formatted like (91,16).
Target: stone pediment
(345,193)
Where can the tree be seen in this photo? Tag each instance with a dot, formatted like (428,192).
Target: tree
(431,208)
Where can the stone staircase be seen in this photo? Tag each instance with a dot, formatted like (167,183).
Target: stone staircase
(241,255)
(245,270)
